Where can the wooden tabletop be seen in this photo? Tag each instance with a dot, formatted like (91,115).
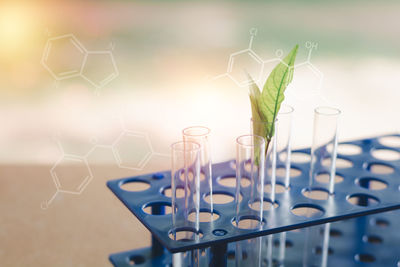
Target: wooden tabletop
(75,230)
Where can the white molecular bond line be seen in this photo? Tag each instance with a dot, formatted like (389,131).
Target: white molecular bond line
(67,72)
(140,165)
(161,154)
(262,63)
(46,52)
(78,46)
(250,53)
(253,32)
(107,80)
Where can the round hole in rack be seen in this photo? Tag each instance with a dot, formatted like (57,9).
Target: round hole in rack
(300,157)
(164,207)
(307,210)
(371,183)
(184,234)
(219,232)
(232,255)
(288,243)
(363,200)
(318,250)
(135,185)
(282,155)
(340,163)
(390,141)
(373,239)
(281,172)
(379,168)
(294,172)
(332,232)
(190,176)
(179,192)
(348,149)
(220,198)
(265,262)
(385,154)
(279,188)
(230,181)
(248,222)
(323,178)
(249,167)
(204,216)
(232,164)
(136,259)
(364,257)
(380,222)
(316,193)
(267,205)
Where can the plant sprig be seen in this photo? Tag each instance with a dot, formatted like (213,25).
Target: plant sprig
(265,105)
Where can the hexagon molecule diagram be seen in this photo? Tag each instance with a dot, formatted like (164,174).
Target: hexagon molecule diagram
(67,182)
(245,62)
(132,150)
(242,62)
(63,57)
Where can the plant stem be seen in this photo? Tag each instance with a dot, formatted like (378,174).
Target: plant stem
(266,148)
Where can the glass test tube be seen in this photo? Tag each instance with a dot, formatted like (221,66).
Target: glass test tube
(261,128)
(284,137)
(323,161)
(250,151)
(275,254)
(324,145)
(316,245)
(201,135)
(283,151)
(185,176)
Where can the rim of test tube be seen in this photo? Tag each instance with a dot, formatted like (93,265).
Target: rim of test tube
(205,129)
(329,111)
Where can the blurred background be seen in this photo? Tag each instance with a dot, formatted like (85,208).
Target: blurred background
(164,55)
(115,82)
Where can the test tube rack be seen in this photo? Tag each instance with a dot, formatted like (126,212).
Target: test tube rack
(353,198)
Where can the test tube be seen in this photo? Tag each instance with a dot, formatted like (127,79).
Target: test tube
(324,145)
(284,137)
(282,141)
(323,160)
(186,209)
(250,152)
(263,128)
(283,151)
(316,250)
(201,135)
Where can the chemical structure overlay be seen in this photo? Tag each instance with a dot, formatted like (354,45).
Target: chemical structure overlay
(306,83)
(66,57)
(121,148)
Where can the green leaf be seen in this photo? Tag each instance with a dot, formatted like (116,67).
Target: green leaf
(255,97)
(269,102)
